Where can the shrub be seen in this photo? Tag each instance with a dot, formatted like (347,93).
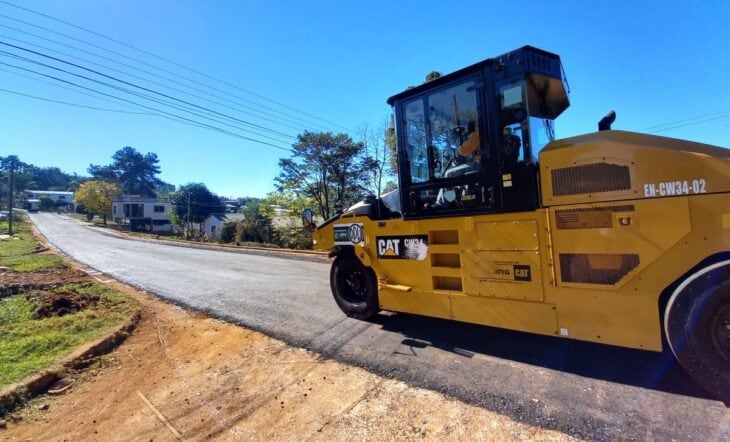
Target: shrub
(228,232)
(293,237)
(46,204)
(257,230)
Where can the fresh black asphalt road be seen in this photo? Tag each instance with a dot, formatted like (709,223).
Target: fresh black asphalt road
(588,390)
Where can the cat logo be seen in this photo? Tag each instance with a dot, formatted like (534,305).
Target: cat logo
(413,247)
(522,273)
(389,247)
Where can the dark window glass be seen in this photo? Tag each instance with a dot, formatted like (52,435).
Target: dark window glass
(416,140)
(454,129)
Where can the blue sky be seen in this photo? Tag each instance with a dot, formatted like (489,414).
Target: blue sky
(655,63)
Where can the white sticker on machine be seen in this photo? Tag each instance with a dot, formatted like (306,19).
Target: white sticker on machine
(672,188)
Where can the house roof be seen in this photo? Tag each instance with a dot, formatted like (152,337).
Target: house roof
(136,199)
(49,192)
(234,217)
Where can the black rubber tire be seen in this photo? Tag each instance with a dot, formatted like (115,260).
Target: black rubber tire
(354,287)
(697,326)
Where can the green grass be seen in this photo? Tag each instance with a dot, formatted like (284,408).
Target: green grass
(28,345)
(13,247)
(17,253)
(96,220)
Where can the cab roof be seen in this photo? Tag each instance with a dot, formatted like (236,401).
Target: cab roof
(527,58)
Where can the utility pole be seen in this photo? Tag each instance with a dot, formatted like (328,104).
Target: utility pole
(189,224)
(11,184)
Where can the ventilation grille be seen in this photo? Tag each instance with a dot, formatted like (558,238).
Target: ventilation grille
(590,178)
(539,63)
(604,269)
(591,218)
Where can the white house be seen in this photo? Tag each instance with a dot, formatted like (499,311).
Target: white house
(64,200)
(142,214)
(214,222)
(32,205)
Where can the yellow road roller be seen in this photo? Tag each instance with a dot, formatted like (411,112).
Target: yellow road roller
(613,237)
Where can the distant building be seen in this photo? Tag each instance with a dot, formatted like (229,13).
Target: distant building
(214,222)
(232,206)
(32,205)
(142,214)
(64,200)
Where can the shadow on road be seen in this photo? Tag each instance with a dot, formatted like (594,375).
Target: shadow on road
(657,371)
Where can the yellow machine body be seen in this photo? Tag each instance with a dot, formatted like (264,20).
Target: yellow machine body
(623,216)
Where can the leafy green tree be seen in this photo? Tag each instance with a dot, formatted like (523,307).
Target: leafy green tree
(289,231)
(165,190)
(192,203)
(325,167)
(257,226)
(246,200)
(228,232)
(49,178)
(76,182)
(390,186)
(97,196)
(286,200)
(432,76)
(23,179)
(135,173)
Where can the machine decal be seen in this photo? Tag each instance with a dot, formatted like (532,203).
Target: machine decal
(672,188)
(522,273)
(402,247)
(348,234)
(503,271)
(355,233)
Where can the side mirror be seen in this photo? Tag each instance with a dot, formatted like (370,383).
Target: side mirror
(308,218)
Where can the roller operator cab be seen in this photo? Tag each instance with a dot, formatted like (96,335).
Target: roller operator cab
(612,237)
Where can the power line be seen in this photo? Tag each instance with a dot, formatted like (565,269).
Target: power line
(121,89)
(237,109)
(144,89)
(28,77)
(171,62)
(691,123)
(72,104)
(688,121)
(159,68)
(159,112)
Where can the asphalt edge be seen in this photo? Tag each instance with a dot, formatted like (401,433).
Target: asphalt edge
(301,255)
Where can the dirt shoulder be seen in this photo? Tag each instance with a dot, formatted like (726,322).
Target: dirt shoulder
(187,373)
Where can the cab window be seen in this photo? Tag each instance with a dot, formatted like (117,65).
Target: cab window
(444,148)
(415,125)
(454,131)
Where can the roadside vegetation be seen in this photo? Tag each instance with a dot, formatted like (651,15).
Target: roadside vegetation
(39,327)
(20,252)
(48,309)
(326,172)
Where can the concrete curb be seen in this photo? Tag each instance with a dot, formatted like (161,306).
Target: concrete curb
(38,383)
(301,255)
